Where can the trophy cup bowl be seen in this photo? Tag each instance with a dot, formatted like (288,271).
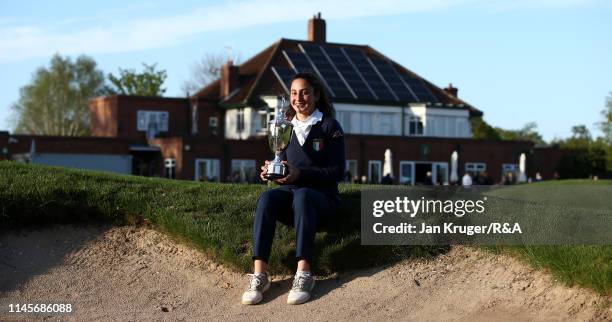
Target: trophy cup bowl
(279,134)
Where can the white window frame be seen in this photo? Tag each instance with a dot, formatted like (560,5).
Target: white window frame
(416,119)
(143,118)
(475,167)
(510,167)
(434,171)
(370,163)
(507,167)
(401,178)
(241,167)
(263,114)
(240,123)
(348,168)
(344,118)
(215,165)
(368,120)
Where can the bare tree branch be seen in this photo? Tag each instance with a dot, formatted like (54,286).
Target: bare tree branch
(206,70)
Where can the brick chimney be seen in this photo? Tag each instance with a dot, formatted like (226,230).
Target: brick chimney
(452,90)
(316,29)
(229,78)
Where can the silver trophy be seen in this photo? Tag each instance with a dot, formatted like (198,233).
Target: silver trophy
(279,134)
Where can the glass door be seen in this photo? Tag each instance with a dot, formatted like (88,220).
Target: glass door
(440,173)
(406,172)
(374,169)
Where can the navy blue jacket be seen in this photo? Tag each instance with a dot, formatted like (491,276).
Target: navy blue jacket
(321,159)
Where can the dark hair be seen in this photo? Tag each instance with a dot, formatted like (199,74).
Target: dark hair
(323,104)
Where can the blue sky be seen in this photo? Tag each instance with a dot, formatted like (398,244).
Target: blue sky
(518,61)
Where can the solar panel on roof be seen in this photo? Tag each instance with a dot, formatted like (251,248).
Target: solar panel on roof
(298,62)
(369,74)
(301,64)
(284,75)
(419,89)
(391,76)
(327,71)
(348,72)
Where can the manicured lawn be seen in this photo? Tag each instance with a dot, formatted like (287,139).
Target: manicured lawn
(213,217)
(585,265)
(217,219)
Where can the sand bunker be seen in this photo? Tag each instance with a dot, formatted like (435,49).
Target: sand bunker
(132,273)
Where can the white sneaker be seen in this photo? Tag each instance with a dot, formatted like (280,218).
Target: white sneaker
(258,284)
(303,284)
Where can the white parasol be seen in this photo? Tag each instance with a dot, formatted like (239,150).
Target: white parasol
(454,177)
(522,168)
(388,165)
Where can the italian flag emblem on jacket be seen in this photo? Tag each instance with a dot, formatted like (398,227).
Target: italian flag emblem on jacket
(317,145)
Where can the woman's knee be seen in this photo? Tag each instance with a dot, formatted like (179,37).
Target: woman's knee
(272,200)
(303,197)
(264,198)
(269,197)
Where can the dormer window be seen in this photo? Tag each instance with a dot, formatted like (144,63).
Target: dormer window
(240,120)
(415,125)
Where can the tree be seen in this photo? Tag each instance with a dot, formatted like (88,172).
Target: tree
(482,130)
(56,102)
(606,124)
(580,132)
(584,157)
(528,133)
(147,83)
(606,128)
(206,70)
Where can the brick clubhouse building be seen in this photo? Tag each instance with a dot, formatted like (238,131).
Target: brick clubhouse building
(219,133)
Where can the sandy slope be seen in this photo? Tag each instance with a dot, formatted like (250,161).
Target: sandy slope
(130,273)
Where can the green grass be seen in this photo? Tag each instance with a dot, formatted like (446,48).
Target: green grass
(585,265)
(216,218)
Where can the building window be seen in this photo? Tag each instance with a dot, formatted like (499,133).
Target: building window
(207,170)
(152,122)
(415,125)
(406,172)
(386,125)
(243,171)
(263,117)
(376,123)
(267,115)
(213,124)
(240,120)
(510,173)
(170,168)
(374,169)
(366,123)
(351,170)
(440,173)
(462,130)
(474,168)
(145,118)
(344,118)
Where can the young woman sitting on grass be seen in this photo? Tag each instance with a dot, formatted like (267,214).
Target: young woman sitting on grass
(308,195)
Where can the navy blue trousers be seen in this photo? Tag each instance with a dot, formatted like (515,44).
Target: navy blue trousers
(300,207)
